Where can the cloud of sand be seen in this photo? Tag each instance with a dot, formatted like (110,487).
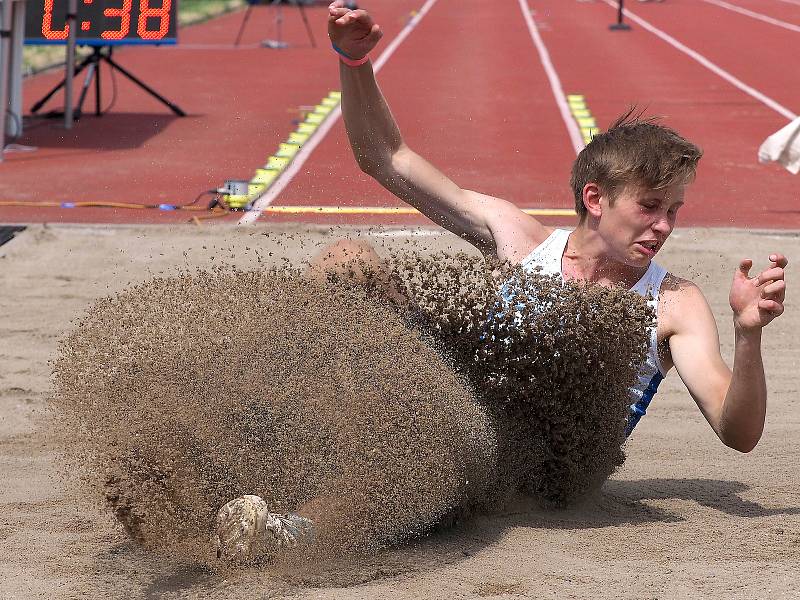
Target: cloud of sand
(182,393)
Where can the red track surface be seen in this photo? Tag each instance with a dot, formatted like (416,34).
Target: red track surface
(468,90)
(471,96)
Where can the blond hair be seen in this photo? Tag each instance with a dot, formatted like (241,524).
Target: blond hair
(634,151)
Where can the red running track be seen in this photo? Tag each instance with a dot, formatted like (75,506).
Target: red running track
(618,69)
(240,103)
(613,70)
(470,94)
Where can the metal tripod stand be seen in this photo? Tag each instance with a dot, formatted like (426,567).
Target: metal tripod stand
(92,65)
(277,5)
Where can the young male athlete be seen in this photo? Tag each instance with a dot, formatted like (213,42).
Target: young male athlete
(629,185)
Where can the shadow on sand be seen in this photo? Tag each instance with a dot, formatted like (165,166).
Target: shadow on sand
(619,503)
(624,503)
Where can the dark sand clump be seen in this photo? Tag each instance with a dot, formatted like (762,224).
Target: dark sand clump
(551,361)
(182,393)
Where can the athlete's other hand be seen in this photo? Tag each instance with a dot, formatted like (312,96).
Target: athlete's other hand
(758,300)
(352,31)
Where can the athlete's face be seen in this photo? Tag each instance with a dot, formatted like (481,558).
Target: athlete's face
(637,223)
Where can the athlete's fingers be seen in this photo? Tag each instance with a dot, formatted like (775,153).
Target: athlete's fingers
(773,274)
(359,16)
(771,306)
(744,267)
(336,4)
(375,33)
(349,18)
(779,259)
(775,290)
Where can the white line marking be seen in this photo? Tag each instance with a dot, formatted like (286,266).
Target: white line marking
(302,156)
(555,83)
(795,2)
(738,83)
(406,232)
(755,15)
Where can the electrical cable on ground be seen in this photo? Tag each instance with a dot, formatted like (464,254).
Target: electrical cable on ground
(216,208)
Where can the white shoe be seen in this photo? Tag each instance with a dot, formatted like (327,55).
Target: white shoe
(244,521)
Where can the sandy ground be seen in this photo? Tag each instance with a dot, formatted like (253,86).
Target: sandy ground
(684,518)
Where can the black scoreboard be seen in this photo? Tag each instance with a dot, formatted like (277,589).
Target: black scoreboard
(103,22)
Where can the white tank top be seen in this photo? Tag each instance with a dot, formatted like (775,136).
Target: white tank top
(547,256)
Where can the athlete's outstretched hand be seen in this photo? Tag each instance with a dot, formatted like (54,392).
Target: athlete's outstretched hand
(758,300)
(352,31)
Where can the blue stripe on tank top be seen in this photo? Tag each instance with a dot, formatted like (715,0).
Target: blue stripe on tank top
(639,409)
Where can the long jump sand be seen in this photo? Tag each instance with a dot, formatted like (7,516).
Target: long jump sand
(684,518)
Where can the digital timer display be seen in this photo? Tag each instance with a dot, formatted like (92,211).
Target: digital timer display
(103,22)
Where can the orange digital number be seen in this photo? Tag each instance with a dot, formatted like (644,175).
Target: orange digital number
(124,15)
(161,13)
(47,24)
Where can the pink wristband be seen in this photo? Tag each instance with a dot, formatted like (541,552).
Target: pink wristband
(353,63)
(347,60)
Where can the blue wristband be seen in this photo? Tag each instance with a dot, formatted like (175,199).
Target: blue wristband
(340,51)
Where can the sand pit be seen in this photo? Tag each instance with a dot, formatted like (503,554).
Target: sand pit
(701,520)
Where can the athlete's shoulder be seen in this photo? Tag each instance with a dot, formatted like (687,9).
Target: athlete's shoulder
(515,233)
(682,301)
(674,284)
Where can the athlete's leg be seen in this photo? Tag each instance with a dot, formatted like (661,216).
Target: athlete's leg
(357,261)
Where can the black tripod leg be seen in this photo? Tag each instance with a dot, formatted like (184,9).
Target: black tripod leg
(35,108)
(308,27)
(244,23)
(174,108)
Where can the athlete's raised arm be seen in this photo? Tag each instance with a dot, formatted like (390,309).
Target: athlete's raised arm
(493,225)
(733,402)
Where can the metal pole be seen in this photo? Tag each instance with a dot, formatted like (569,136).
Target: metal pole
(619,25)
(277,43)
(5,63)
(72,19)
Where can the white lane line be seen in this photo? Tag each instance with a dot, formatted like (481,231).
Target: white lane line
(555,83)
(734,81)
(795,2)
(302,156)
(755,15)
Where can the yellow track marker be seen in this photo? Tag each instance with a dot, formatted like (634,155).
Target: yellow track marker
(298,138)
(255,187)
(583,116)
(277,163)
(315,118)
(306,128)
(265,176)
(287,150)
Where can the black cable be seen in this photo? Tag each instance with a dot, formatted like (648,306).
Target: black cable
(200,195)
(113,88)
